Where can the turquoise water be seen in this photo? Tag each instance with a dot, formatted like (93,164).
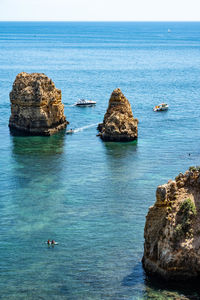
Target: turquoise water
(90,196)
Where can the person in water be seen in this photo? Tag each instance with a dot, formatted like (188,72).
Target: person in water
(48,242)
(52,242)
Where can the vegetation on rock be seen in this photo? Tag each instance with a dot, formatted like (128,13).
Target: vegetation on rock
(193,168)
(186,212)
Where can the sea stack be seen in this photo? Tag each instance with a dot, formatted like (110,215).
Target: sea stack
(118,124)
(36,106)
(172,230)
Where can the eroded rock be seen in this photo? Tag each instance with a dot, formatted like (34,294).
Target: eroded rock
(118,124)
(172,229)
(36,106)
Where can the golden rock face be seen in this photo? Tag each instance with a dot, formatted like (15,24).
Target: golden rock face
(119,123)
(172,229)
(36,106)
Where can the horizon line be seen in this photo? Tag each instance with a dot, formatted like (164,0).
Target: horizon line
(105,21)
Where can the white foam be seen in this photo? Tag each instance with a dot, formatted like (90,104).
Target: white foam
(85,127)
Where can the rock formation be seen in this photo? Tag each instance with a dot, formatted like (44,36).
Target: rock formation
(172,230)
(118,124)
(36,106)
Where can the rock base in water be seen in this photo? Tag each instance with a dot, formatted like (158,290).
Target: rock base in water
(36,106)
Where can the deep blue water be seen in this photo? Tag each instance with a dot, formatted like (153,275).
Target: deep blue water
(90,196)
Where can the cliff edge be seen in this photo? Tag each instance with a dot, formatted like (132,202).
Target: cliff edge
(36,106)
(172,229)
(118,124)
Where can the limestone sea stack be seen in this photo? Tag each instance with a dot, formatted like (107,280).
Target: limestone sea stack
(36,106)
(172,230)
(118,124)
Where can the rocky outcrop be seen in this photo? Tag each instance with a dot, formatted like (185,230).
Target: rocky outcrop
(172,230)
(118,124)
(36,106)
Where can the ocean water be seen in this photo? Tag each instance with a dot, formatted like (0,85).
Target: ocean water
(90,196)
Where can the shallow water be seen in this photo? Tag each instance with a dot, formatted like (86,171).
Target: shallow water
(91,196)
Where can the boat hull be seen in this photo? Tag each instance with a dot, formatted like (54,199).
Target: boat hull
(160,109)
(88,104)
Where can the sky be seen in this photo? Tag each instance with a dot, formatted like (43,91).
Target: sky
(99,10)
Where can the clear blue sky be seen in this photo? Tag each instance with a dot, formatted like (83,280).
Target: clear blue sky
(100,10)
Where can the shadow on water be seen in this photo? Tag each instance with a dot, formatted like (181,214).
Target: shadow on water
(171,290)
(38,145)
(157,288)
(37,161)
(136,277)
(120,150)
(117,155)
(37,190)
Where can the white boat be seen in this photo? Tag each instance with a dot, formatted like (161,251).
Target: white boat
(84,102)
(161,107)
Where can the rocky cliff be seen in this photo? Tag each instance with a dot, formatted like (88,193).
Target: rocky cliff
(118,124)
(172,230)
(36,106)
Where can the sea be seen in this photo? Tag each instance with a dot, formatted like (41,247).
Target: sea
(88,195)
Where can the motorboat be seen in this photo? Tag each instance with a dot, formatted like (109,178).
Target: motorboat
(70,131)
(84,102)
(161,107)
